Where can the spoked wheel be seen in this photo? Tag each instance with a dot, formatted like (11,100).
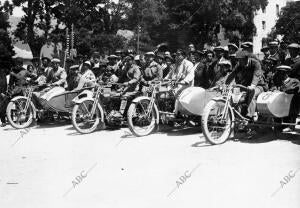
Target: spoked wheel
(142,121)
(216,126)
(82,118)
(18,115)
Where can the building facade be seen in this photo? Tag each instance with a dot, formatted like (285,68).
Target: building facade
(265,20)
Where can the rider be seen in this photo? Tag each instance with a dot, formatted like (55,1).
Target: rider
(274,48)
(182,73)
(132,77)
(18,77)
(87,79)
(56,75)
(248,73)
(169,65)
(152,71)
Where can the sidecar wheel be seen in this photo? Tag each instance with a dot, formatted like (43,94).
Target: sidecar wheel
(139,124)
(215,129)
(17,118)
(80,121)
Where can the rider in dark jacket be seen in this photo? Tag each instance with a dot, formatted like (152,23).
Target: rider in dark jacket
(248,72)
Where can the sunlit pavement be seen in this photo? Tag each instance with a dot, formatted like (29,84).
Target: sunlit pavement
(53,166)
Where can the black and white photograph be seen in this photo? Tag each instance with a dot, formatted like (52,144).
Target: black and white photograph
(150,103)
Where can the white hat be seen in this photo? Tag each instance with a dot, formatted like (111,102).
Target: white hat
(225,62)
(88,63)
(150,53)
(55,60)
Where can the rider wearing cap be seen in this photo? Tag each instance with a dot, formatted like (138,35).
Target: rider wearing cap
(56,75)
(152,71)
(294,60)
(248,73)
(19,76)
(132,76)
(248,47)
(274,51)
(87,79)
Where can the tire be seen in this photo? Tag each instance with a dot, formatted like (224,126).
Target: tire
(138,107)
(206,123)
(13,112)
(79,114)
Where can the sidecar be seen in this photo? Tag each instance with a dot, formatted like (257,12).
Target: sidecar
(59,100)
(274,104)
(192,100)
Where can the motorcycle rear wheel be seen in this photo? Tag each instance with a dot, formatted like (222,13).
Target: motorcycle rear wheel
(137,113)
(83,123)
(215,129)
(17,118)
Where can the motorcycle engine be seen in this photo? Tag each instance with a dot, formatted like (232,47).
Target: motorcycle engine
(114,118)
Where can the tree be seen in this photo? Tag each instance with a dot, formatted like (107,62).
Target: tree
(6,47)
(288,23)
(200,21)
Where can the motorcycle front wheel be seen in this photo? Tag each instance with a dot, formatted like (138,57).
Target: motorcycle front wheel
(140,122)
(216,126)
(83,120)
(17,115)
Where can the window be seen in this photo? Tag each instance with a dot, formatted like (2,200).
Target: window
(263,25)
(277,10)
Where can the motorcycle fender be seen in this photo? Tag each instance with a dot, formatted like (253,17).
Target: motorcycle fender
(138,99)
(25,98)
(92,100)
(86,94)
(230,108)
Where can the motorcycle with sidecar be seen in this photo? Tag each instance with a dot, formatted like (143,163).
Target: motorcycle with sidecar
(157,106)
(24,109)
(103,106)
(223,116)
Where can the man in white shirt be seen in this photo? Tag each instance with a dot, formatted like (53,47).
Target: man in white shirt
(183,73)
(48,50)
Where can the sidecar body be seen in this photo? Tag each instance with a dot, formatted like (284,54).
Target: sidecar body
(274,104)
(59,100)
(192,100)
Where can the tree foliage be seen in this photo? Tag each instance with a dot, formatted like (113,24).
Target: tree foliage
(6,47)
(288,23)
(175,21)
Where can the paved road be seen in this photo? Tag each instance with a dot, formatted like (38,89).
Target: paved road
(53,166)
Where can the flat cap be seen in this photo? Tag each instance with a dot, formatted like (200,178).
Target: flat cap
(273,44)
(225,62)
(247,44)
(88,63)
(150,53)
(265,48)
(74,67)
(294,45)
(233,46)
(284,68)
(112,57)
(219,48)
(55,60)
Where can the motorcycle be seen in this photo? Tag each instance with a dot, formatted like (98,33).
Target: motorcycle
(223,116)
(101,107)
(157,106)
(23,110)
